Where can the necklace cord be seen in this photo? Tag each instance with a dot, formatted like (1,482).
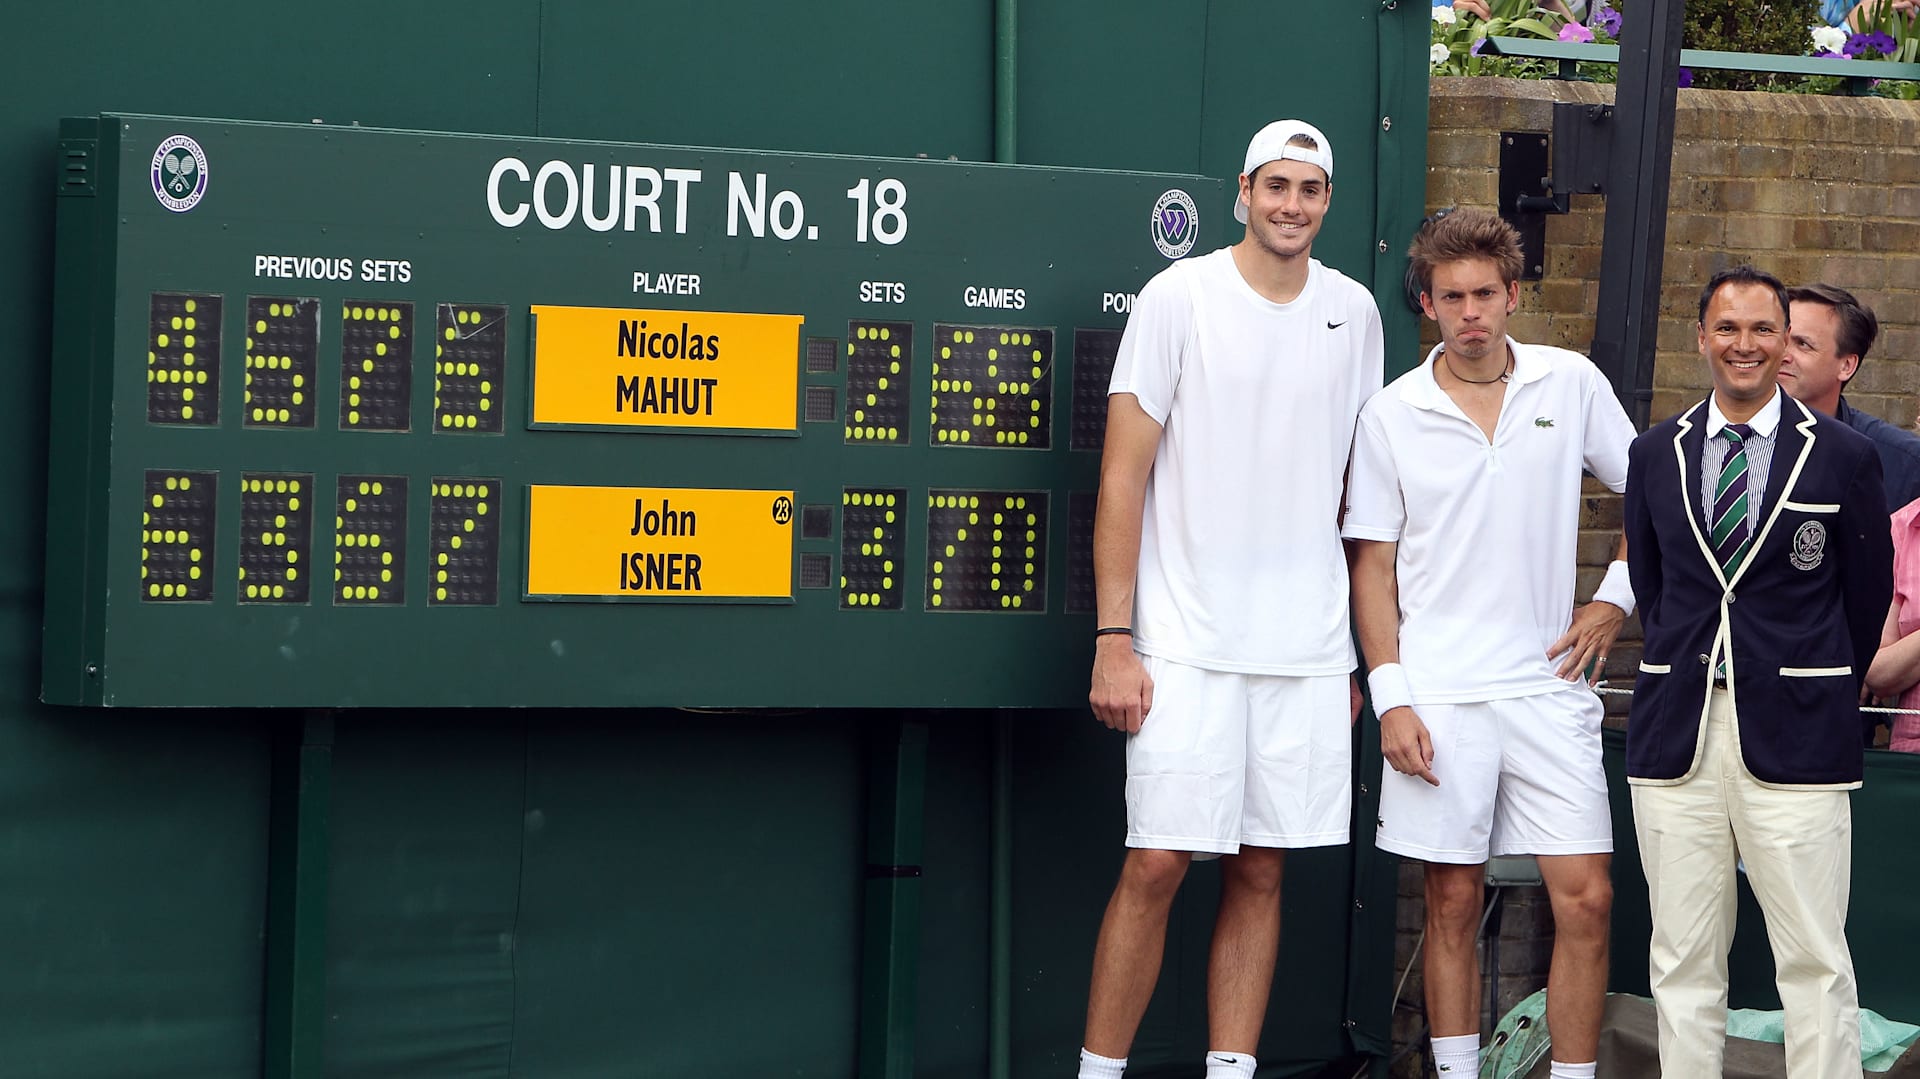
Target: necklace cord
(1503,376)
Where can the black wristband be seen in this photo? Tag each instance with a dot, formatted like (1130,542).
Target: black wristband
(1108,631)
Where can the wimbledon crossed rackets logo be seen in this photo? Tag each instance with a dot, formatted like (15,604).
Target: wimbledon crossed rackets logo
(179,173)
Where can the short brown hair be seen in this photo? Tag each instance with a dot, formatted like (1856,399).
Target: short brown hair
(1465,234)
(1858,324)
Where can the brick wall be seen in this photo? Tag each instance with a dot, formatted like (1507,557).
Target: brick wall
(1812,188)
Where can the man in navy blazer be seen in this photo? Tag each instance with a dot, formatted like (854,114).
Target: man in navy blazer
(1760,556)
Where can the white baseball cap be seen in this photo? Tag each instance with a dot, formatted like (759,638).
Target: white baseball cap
(1270,144)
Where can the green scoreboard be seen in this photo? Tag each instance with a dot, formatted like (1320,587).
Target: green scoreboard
(350,417)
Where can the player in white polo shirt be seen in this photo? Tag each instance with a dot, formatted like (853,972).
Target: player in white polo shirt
(1465,508)
(1223,648)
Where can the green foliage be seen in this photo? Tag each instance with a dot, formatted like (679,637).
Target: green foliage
(1778,27)
(1454,39)
(1770,26)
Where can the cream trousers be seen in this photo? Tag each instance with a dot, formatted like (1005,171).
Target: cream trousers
(1798,850)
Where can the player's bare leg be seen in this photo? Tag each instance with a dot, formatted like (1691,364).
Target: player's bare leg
(1246,937)
(1133,938)
(1580,888)
(1451,969)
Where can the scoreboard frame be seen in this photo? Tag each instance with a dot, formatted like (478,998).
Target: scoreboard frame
(816,290)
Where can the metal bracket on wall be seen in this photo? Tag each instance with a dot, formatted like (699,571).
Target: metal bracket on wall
(1540,173)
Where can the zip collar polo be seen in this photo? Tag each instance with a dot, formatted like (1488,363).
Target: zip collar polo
(1486,531)
(1425,392)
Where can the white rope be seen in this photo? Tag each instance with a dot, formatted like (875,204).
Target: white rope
(1605,690)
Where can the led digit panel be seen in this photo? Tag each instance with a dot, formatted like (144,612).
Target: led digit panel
(469,367)
(176,536)
(816,570)
(819,405)
(823,355)
(873,534)
(992,386)
(370,541)
(183,358)
(1093,354)
(283,342)
(376,366)
(464,541)
(879,365)
(986,550)
(276,537)
(1080,593)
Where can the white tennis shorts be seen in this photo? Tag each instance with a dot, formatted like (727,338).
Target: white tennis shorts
(1226,759)
(1517,776)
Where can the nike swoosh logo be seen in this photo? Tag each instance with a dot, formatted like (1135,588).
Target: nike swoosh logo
(1335,325)
(1226,1060)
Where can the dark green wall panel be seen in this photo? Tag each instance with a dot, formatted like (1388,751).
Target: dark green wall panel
(1066,857)
(132,895)
(690,896)
(427,825)
(950,1040)
(1884,952)
(1116,87)
(838,76)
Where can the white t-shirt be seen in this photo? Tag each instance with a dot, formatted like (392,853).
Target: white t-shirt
(1241,567)
(1487,532)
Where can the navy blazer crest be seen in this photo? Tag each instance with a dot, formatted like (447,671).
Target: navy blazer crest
(1797,624)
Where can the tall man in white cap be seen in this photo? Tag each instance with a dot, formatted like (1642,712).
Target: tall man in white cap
(1223,649)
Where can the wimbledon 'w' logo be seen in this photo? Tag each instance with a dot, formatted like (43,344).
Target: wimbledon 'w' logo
(1176,223)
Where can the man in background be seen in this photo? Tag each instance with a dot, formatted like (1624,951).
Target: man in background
(1831,333)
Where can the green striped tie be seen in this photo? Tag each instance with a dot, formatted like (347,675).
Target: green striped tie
(1732,536)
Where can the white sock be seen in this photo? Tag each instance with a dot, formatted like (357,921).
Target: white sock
(1458,1056)
(1095,1066)
(1229,1065)
(1573,1071)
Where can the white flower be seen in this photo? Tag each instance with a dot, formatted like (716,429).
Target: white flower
(1443,14)
(1828,38)
(1438,54)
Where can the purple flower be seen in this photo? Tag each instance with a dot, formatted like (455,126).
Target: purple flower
(1830,56)
(1875,42)
(1478,44)
(1573,31)
(1607,19)
(1686,77)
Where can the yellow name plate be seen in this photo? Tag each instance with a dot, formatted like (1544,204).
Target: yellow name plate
(615,367)
(659,542)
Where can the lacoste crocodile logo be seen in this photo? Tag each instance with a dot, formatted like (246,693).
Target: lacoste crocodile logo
(1542,421)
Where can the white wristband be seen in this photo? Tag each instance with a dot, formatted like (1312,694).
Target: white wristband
(1387,684)
(1616,587)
